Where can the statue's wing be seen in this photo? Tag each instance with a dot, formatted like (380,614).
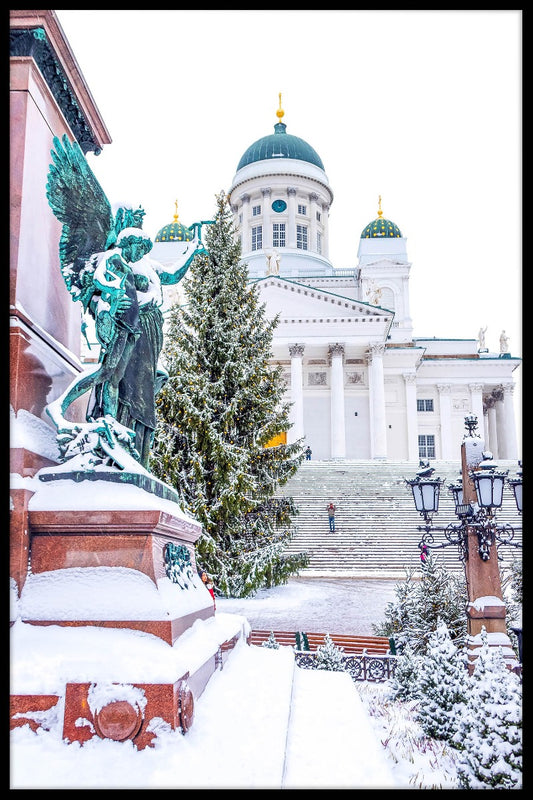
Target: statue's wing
(80,204)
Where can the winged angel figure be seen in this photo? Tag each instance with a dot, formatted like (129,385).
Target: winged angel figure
(105,264)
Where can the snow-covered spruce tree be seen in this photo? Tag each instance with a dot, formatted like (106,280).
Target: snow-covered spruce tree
(438,594)
(490,731)
(399,613)
(405,684)
(329,656)
(222,403)
(442,686)
(271,642)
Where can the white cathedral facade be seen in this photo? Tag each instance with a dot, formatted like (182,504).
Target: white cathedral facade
(361,386)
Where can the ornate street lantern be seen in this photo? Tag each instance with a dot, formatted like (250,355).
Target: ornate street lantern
(516,486)
(477,517)
(426,491)
(489,482)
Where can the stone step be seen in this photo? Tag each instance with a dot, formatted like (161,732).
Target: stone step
(376,521)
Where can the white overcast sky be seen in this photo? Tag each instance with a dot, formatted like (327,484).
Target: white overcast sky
(421,107)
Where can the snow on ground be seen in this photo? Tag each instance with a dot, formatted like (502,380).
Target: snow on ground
(261,722)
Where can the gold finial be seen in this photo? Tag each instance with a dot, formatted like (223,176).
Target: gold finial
(280,112)
(380,212)
(175,210)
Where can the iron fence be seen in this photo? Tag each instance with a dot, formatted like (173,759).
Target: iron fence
(372,668)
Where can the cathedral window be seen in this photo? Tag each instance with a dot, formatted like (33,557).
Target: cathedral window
(318,216)
(278,234)
(426,446)
(257,237)
(256,210)
(424,404)
(301,237)
(319,243)
(302,209)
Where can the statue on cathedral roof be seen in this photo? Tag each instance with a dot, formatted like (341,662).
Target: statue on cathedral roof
(105,265)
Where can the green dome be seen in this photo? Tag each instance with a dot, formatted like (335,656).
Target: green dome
(174,232)
(280,145)
(382,228)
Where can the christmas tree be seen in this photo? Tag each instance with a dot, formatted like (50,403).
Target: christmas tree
(221,406)
(442,685)
(490,730)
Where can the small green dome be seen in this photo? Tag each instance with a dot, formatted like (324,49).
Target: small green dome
(381,228)
(280,144)
(175,231)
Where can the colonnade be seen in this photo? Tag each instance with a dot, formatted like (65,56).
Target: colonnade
(378,433)
(496,411)
(499,422)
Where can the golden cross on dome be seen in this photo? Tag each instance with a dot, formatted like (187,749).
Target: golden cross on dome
(175,210)
(380,212)
(280,112)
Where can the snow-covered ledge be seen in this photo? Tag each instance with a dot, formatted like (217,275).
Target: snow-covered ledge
(489,607)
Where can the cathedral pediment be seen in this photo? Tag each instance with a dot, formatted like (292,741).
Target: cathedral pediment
(299,302)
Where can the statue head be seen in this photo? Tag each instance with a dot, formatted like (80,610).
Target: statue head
(134,243)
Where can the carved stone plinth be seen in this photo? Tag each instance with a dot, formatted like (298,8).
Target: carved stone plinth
(135,539)
(134,711)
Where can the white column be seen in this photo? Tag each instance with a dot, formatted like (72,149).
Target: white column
(313,226)
(493,432)
(476,402)
(486,436)
(267,225)
(291,222)
(447,448)
(296,416)
(325,223)
(245,228)
(412,417)
(510,422)
(500,423)
(338,428)
(378,432)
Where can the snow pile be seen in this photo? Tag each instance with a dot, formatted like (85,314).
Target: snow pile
(90,593)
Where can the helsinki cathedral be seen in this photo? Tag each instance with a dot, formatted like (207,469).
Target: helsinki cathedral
(361,386)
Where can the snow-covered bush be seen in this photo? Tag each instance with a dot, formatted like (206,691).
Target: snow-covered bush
(420,603)
(490,731)
(329,656)
(442,685)
(405,683)
(271,642)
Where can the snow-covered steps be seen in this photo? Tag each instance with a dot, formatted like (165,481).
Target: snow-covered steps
(376,522)
(328,704)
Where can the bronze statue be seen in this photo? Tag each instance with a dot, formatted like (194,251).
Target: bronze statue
(105,264)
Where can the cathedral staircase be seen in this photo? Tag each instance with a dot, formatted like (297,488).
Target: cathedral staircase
(376,522)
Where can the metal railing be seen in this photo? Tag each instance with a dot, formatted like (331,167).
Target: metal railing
(372,668)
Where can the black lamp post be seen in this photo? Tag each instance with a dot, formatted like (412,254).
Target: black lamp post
(477,495)
(489,483)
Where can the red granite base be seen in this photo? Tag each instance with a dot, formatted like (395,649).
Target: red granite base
(168,630)
(136,539)
(165,705)
(107,538)
(26,709)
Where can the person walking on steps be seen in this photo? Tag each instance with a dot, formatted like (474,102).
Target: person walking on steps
(308,453)
(331,516)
